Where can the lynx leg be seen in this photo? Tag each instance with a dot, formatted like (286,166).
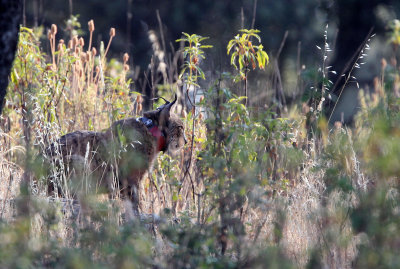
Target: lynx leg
(134,198)
(131,193)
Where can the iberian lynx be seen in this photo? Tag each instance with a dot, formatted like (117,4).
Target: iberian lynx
(118,158)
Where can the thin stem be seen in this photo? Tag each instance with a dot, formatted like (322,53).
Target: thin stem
(245,86)
(161,30)
(191,146)
(90,41)
(70,8)
(242,18)
(24,13)
(325,57)
(254,14)
(108,46)
(53,40)
(193,103)
(360,52)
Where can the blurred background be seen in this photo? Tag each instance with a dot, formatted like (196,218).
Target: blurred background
(291,32)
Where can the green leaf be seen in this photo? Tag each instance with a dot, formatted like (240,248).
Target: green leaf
(265,56)
(14,77)
(233,58)
(241,63)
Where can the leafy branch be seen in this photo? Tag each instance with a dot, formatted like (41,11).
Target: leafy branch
(192,53)
(247,55)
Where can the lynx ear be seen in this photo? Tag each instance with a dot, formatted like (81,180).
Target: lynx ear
(166,112)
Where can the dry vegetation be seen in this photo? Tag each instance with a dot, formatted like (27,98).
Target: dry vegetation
(251,189)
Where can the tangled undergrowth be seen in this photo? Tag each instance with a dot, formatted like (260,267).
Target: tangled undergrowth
(254,188)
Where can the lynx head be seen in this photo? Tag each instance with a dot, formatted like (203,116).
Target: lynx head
(170,126)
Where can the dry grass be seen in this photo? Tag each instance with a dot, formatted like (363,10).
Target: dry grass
(295,212)
(10,175)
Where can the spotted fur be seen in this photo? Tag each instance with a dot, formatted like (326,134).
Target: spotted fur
(117,159)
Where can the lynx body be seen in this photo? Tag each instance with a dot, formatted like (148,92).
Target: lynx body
(119,158)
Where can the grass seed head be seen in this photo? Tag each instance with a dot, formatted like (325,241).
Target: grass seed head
(54,29)
(75,41)
(383,63)
(83,57)
(126,58)
(77,51)
(338,125)
(91,25)
(112,32)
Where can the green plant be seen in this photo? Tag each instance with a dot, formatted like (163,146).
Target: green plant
(260,192)
(69,81)
(247,54)
(191,72)
(193,53)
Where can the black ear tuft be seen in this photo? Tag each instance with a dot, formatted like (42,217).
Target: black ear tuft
(169,105)
(162,114)
(165,112)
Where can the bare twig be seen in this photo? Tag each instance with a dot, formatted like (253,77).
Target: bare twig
(280,95)
(353,60)
(254,14)
(242,18)
(160,25)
